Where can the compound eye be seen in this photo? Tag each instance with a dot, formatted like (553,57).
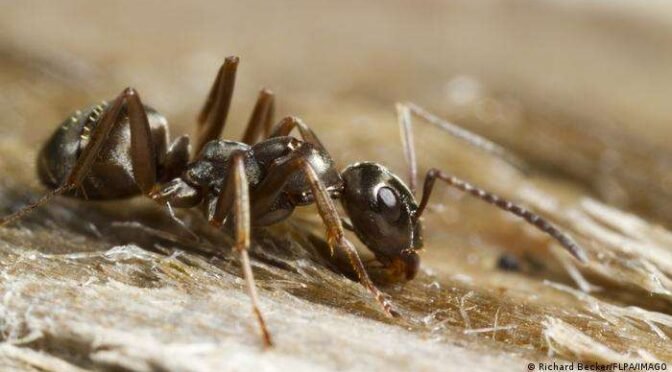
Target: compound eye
(389,203)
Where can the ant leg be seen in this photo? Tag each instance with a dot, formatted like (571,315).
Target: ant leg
(6,220)
(268,123)
(143,158)
(262,116)
(286,125)
(142,151)
(336,236)
(236,195)
(532,218)
(212,118)
(267,192)
(176,159)
(404,111)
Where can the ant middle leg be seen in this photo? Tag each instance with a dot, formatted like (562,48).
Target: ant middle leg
(143,157)
(236,195)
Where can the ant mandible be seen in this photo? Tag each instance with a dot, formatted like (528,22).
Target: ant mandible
(120,150)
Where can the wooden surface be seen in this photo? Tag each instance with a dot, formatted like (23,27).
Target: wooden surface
(580,90)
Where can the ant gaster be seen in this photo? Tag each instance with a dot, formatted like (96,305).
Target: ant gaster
(121,149)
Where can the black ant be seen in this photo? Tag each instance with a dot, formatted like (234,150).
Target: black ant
(120,149)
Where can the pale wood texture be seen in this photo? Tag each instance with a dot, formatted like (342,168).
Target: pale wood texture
(580,89)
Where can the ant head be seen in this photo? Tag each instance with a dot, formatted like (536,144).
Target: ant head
(383,214)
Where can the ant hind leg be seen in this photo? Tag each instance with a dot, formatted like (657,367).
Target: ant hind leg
(262,118)
(143,157)
(9,219)
(212,117)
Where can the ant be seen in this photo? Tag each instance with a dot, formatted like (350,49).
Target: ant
(119,150)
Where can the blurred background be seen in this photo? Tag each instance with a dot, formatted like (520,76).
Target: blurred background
(579,89)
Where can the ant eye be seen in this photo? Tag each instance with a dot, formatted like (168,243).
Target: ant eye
(389,204)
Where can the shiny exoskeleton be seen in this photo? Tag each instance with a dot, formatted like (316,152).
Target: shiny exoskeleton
(122,149)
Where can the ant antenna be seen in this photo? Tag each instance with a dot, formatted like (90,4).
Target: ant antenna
(470,137)
(6,220)
(404,113)
(532,218)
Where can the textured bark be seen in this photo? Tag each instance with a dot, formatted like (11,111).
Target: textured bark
(116,285)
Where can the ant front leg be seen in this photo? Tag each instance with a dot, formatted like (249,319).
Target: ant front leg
(270,189)
(143,158)
(530,217)
(336,236)
(236,195)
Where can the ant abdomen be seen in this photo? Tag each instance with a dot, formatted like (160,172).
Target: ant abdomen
(111,175)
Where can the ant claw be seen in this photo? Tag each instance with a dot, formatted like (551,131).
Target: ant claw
(389,309)
(394,313)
